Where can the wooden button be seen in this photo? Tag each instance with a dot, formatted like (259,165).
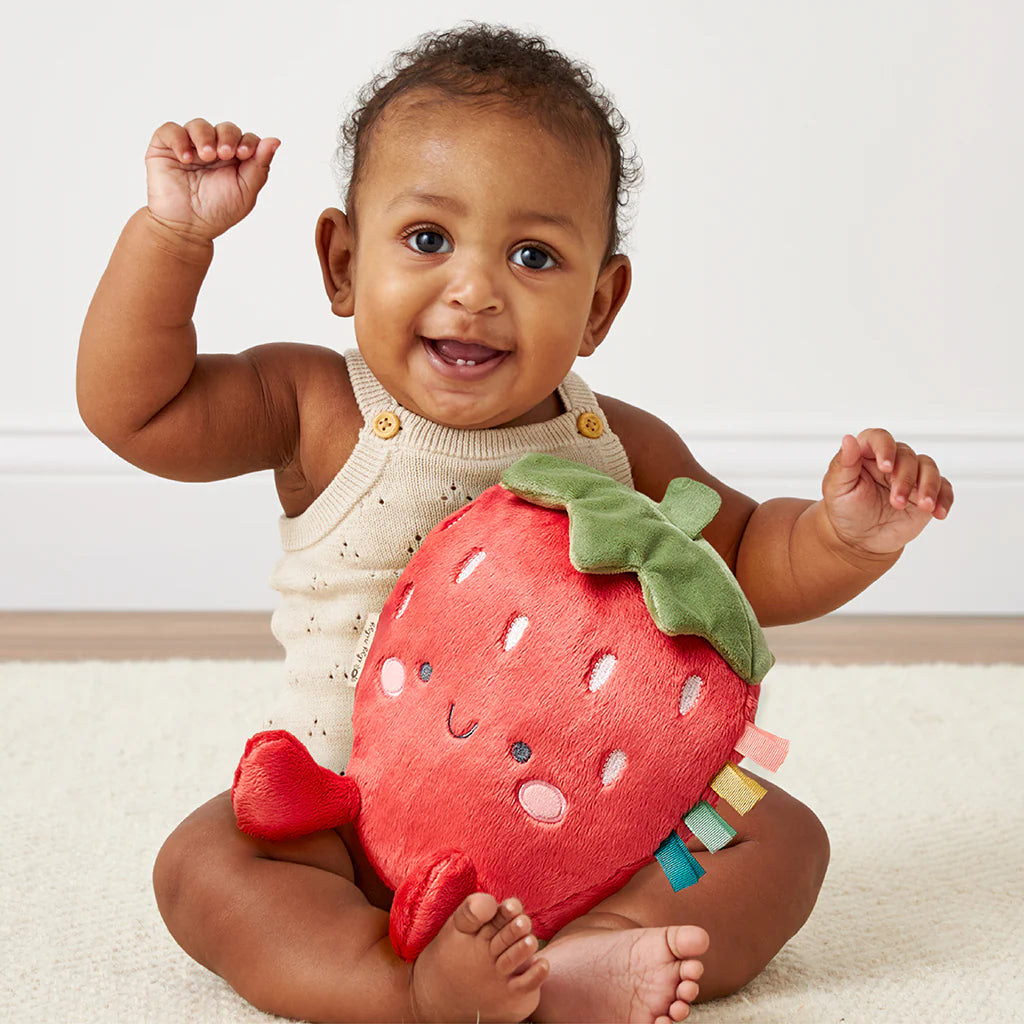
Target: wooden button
(386,425)
(590,425)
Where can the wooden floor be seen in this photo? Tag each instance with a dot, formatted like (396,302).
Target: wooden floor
(836,639)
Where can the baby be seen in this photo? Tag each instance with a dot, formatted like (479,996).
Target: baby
(478,255)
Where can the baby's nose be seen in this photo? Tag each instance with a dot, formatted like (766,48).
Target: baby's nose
(473,285)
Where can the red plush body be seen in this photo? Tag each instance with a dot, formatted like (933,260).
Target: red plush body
(522,728)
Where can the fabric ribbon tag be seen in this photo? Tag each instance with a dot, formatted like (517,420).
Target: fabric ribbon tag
(739,791)
(709,826)
(767,749)
(680,866)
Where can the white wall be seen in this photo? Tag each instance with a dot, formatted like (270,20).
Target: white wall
(829,237)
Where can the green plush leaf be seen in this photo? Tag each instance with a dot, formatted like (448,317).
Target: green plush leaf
(612,528)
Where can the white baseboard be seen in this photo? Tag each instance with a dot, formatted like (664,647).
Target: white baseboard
(80,529)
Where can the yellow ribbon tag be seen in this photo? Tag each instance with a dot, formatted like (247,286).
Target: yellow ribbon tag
(739,791)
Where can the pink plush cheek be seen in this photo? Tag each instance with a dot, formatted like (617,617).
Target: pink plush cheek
(542,801)
(392,677)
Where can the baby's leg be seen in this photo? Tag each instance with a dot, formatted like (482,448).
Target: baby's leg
(289,927)
(756,894)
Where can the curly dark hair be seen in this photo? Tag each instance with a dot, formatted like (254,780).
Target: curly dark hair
(494,62)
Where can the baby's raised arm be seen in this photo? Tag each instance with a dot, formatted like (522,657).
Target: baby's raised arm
(797,559)
(141,388)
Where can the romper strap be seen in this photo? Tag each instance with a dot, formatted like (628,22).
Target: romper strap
(575,394)
(370,394)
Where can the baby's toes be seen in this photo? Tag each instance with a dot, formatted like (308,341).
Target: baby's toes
(686,941)
(687,991)
(518,955)
(475,911)
(531,977)
(514,929)
(508,910)
(679,1010)
(691,970)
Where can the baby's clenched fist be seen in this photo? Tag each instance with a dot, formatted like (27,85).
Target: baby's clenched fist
(202,179)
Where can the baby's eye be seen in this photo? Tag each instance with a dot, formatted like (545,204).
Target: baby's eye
(429,242)
(533,258)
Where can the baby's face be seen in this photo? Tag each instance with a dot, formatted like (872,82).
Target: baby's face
(479,247)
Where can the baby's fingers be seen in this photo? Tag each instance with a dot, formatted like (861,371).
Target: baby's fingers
(932,491)
(880,445)
(203,137)
(228,137)
(925,490)
(844,469)
(944,502)
(917,481)
(173,138)
(254,171)
(247,145)
(899,465)
(199,142)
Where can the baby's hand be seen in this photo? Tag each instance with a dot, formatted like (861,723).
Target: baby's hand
(879,493)
(201,179)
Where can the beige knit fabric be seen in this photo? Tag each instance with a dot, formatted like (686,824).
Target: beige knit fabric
(343,555)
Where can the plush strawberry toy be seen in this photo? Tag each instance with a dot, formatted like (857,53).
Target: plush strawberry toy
(558,689)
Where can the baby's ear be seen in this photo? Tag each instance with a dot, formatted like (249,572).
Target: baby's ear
(609,295)
(335,245)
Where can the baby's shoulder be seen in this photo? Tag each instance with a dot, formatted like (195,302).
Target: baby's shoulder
(316,381)
(307,374)
(657,454)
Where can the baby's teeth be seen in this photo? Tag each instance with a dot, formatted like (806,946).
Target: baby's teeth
(465,362)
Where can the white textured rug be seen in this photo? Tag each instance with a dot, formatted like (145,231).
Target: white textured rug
(916,772)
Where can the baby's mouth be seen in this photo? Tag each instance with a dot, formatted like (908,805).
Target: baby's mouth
(461,353)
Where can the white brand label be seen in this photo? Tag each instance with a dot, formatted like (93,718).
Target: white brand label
(363,649)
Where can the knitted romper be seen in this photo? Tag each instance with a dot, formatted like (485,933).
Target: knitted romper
(342,556)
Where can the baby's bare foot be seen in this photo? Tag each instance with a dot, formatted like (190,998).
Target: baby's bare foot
(482,965)
(639,975)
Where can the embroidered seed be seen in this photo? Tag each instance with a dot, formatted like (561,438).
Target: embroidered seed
(601,671)
(406,598)
(614,763)
(469,566)
(691,691)
(515,631)
(451,522)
